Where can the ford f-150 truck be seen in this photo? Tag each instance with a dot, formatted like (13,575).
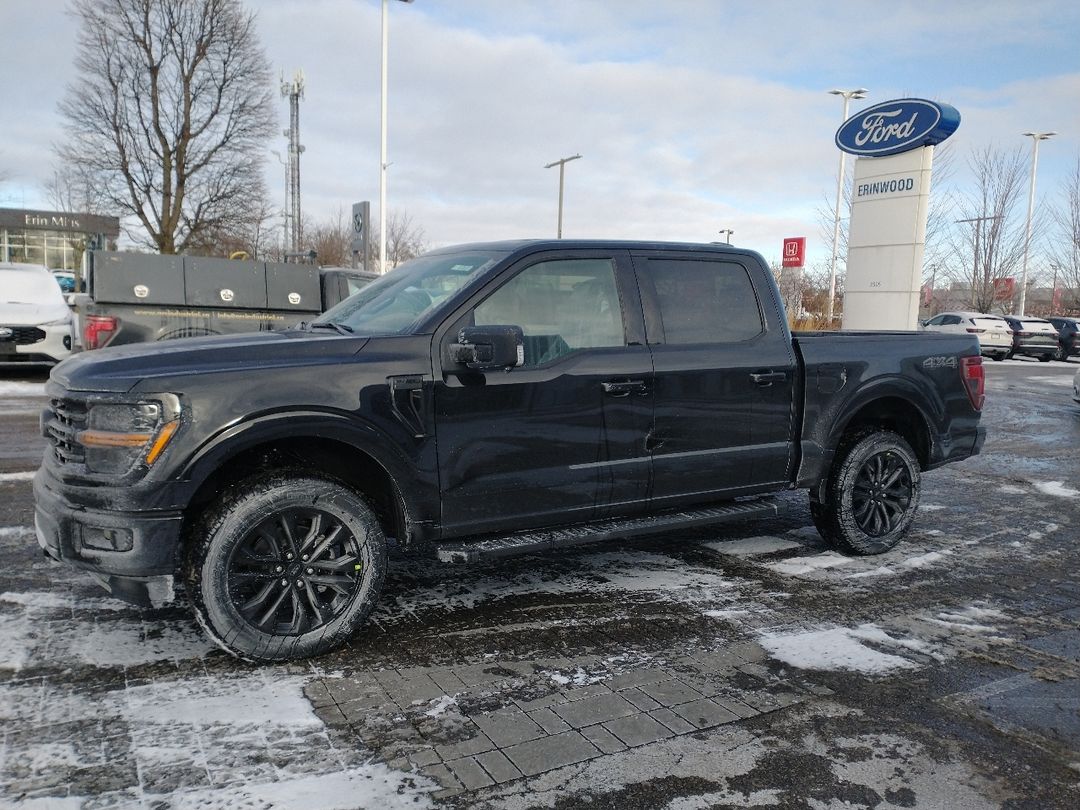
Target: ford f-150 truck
(476,402)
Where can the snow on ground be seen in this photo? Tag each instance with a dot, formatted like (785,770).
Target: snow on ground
(13,388)
(15,531)
(839,648)
(1056,488)
(1060,379)
(242,741)
(16,476)
(797,566)
(753,546)
(625,572)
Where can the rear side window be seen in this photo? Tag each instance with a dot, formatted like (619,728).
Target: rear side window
(705,301)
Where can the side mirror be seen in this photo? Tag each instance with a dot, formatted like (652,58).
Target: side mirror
(485,348)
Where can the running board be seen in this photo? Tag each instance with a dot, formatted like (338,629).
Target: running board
(491,547)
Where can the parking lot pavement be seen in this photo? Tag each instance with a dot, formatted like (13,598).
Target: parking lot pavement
(749,667)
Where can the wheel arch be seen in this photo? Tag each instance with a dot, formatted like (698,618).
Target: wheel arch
(317,445)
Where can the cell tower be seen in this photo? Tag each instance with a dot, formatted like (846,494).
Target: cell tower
(294,91)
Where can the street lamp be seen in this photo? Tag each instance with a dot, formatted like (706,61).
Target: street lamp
(847,95)
(561,163)
(727,232)
(382,142)
(1035,138)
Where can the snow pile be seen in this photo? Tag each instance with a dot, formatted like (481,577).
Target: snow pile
(16,476)
(579,677)
(439,706)
(752,546)
(840,648)
(797,566)
(1056,488)
(12,388)
(15,532)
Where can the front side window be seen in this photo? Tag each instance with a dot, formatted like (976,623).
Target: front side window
(705,301)
(561,306)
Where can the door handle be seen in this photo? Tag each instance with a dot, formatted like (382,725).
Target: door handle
(767,378)
(622,388)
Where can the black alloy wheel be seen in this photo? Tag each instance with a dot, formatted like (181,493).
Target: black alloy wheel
(871,495)
(285,566)
(295,572)
(881,494)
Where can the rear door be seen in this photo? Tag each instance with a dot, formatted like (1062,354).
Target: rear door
(559,438)
(724,371)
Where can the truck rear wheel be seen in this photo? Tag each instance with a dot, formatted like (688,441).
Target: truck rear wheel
(285,566)
(872,493)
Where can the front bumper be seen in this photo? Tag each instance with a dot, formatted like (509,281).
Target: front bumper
(53,347)
(69,532)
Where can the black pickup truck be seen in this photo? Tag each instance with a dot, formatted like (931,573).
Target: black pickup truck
(476,402)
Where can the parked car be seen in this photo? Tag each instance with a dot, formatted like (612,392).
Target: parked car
(35,323)
(1068,330)
(1033,337)
(66,280)
(995,336)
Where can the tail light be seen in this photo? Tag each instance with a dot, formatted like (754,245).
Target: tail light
(976,331)
(974,377)
(98,330)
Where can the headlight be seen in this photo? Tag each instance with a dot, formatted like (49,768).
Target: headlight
(120,435)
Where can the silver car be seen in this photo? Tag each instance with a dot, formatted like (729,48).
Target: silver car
(995,336)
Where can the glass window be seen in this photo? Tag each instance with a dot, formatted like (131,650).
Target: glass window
(561,306)
(705,301)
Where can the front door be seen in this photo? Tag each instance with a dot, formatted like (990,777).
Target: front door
(559,438)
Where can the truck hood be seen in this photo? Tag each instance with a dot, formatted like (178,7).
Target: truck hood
(120,369)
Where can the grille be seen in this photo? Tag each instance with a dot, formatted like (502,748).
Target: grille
(25,335)
(67,417)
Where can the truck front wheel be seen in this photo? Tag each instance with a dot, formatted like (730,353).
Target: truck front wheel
(285,566)
(871,495)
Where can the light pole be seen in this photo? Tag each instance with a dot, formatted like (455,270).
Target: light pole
(1035,138)
(382,140)
(847,95)
(561,163)
(727,232)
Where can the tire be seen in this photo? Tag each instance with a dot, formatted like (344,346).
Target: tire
(1010,354)
(1061,354)
(859,515)
(253,589)
(1044,358)
(998,357)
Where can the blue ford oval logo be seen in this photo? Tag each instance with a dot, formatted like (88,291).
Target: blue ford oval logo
(897,126)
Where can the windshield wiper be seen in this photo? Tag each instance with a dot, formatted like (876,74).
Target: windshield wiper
(340,328)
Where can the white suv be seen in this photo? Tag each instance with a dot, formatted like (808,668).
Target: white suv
(35,323)
(995,336)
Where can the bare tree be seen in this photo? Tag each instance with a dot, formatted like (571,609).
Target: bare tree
(404,239)
(74,188)
(170,111)
(332,239)
(1065,253)
(991,245)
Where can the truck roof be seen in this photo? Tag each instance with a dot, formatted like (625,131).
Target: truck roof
(515,245)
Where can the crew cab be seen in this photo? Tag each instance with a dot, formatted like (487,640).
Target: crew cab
(476,402)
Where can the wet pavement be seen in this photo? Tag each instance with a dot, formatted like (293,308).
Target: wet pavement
(741,666)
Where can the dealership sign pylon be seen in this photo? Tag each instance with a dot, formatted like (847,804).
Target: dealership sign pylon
(889,204)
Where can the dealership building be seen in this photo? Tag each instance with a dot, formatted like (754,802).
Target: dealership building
(56,239)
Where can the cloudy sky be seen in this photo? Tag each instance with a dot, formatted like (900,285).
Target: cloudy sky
(691,115)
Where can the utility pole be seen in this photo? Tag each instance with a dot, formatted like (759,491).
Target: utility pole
(294,91)
(561,163)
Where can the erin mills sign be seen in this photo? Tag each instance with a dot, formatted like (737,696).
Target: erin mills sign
(897,126)
(59,221)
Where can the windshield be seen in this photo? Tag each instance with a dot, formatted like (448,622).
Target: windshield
(395,302)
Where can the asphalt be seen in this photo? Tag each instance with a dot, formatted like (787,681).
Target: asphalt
(742,666)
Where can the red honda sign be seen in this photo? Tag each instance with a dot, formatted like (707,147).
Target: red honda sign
(1004,288)
(795,251)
